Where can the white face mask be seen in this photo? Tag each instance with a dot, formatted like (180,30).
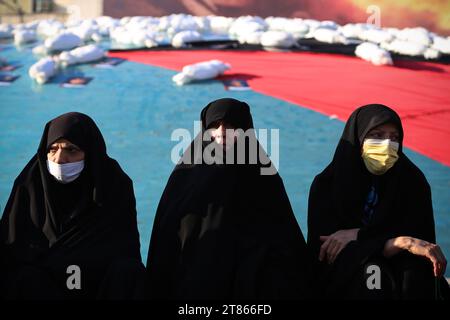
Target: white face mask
(66,172)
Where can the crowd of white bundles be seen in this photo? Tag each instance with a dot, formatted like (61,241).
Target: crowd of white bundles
(376,44)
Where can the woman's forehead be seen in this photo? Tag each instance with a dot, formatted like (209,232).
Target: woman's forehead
(386,127)
(220,122)
(63,142)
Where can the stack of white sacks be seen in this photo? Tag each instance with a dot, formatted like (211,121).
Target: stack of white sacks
(247,29)
(415,42)
(375,44)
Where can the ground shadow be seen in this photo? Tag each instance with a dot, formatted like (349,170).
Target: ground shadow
(417,65)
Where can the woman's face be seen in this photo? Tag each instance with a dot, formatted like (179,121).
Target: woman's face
(223,133)
(63,151)
(384,131)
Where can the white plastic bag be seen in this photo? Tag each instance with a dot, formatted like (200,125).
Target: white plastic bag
(201,71)
(43,70)
(84,54)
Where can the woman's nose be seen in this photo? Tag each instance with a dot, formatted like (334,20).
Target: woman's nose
(222,129)
(60,157)
(391,137)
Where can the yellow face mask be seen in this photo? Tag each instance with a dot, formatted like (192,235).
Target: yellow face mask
(379,155)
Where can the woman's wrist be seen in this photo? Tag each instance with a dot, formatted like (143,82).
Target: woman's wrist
(403,243)
(395,245)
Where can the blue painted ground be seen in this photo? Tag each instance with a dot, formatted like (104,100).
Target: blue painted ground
(137,107)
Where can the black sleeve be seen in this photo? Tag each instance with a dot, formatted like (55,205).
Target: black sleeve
(417,218)
(322,217)
(127,223)
(12,224)
(11,229)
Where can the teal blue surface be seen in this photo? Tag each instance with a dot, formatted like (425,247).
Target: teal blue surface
(138,106)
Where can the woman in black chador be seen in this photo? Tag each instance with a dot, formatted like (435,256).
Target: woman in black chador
(370,218)
(224,227)
(69,227)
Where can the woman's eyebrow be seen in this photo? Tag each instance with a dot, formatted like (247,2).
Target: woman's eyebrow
(71,146)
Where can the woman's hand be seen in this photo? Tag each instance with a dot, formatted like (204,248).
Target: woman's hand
(418,247)
(334,243)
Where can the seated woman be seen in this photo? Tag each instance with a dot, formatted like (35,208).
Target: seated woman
(69,227)
(370,217)
(224,227)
